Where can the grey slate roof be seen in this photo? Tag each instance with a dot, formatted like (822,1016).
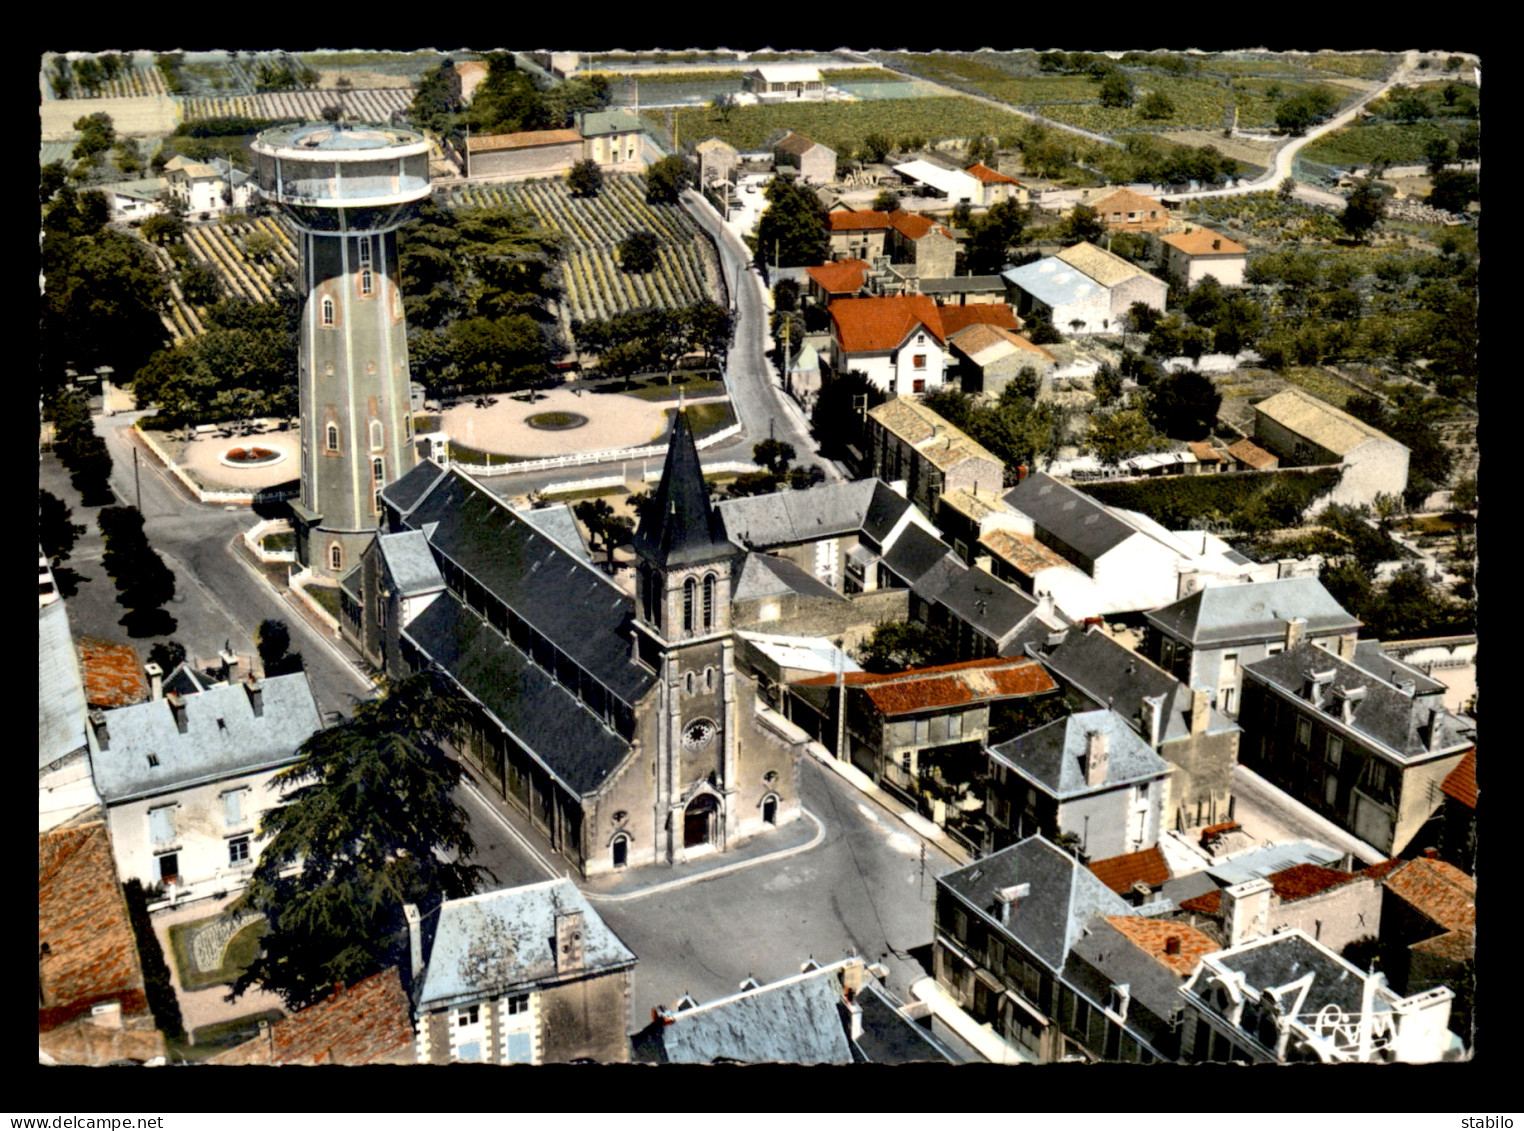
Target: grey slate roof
(1069,516)
(681,527)
(560,595)
(409,562)
(884,510)
(405,492)
(987,604)
(963,283)
(486,945)
(762,575)
(559,525)
(1064,895)
(1369,655)
(1253,610)
(1114,676)
(889,1037)
(556,727)
(1278,960)
(1050,756)
(796,1021)
(223,738)
(786,518)
(1103,957)
(1385,715)
(914,555)
(61,706)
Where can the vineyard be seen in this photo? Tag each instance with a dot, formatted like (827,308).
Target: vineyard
(307,105)
(139,80)
(594,287)
(220,247)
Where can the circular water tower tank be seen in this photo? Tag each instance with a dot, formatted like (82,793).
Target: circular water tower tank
(366,172)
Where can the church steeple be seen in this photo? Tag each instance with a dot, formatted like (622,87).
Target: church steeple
(681,528)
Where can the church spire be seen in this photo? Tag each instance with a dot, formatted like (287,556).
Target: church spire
(680,527)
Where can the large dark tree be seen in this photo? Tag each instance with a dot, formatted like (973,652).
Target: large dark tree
(56,528)
(666,179)
(584,178)
(897,645)
(1081,224)
(993,235)
(368,822)
(792,231)
(638,252)
(1184,405)
(1363,210)
(839,416)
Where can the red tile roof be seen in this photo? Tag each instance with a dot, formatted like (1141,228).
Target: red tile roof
(1461,781)
(1454,946)
(1199,241)
(1154,935)
(1385,868)
(1119,873)
(912,225)
(873,325)
(1440,891)
(82,919)
(1204,452)
(844,277)
(983,172)
(1207,903)
(946,685)
(1303,880)
(955,318)
(368,1023)
(857,221)
(1124,201)
(112,675)
(528,139)
(1247,451)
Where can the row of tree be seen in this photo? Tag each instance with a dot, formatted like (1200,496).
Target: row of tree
(144,583)
(653,340)
(506,100)
(79,447)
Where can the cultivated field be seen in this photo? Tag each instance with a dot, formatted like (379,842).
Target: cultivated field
(308,105)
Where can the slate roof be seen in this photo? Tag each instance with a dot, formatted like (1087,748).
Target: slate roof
(223,738)
(1113,675)
(557,593)
(1051,756)
(1373,658)
(986,604)
(795,1021)
(1385,716)
(963,284)
(1440,891)
(559,524)
(410,562)
(762,575)
(405,493)
(1333,429)
(1102,957)
(885,509)
(1254,610)
(367,1023)
(844,277)
(1071,517)
(788,518)
(112,674)
(917,555)
(1460,783)
(487,945)
(1200,241)
(1280,959)
(681,527)
(889,1037)
(82,919)
(61,706)
(527,139)
(1119,873)
(1063,897)
(552,723)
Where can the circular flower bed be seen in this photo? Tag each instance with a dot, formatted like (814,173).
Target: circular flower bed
(252,456)
(556,421)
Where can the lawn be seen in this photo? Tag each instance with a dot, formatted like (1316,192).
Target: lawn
(657,390)
(1320,384)
(703,419)
(236,954)
(464,454)
(326,596)
(592,493)
(274,543)
(223,1035)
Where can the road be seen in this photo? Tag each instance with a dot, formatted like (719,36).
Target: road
(219,596)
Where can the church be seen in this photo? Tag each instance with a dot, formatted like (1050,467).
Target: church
(621,728)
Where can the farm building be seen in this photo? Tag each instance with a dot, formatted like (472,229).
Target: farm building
(1303,430)
(784,80)
(535,153)
(1083,289)
(1128,211)
(615,139)
(997,186)
(815,163)
(944,184)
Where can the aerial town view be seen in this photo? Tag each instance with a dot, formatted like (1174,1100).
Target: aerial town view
(776,557)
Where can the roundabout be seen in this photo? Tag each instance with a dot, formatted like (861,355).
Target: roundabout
(556,421)
(251,455)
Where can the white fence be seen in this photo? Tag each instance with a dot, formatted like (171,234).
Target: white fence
(578,459)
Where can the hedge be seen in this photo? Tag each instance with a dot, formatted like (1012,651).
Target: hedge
(1179,501)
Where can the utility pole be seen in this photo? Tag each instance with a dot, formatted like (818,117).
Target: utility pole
(137,484)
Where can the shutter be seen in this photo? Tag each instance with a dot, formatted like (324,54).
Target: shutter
(519,1050)
(161,824)
(232,808)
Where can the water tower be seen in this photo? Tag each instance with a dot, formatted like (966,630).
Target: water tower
(345,190)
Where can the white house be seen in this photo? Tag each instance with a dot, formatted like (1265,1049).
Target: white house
(1084,289)
(1195,253)
(954,185)
(1303,430)
(210,186)
(899,342)
(185,777)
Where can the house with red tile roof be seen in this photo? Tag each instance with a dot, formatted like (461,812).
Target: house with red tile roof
(1128,211)
(840,279)
(899,342)
(1428,936)
(1123,874)
(917,245)
(92,1001)
(367,1023)
(113,676)
(1249,456)
(998,186)
(1334,906)
(857,235)
(1195,253)
(1457,814)
(991,356)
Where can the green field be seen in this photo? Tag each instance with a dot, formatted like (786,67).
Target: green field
(1400,143)
(666,78)
(703,419)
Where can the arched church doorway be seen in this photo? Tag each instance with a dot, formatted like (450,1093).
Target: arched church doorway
(621,850)
(770,809)
(700,821)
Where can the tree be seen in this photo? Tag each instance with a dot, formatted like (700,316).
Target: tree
(258,244)
(792,231)
(1439,152)
(666,179)
(168,654)
(55,528)
(1116,91)
(993,235)
(164,227)
(886,201)
(273,640)
(838,418)
(367,824)
(1284,190)
(722,105)
(874,148)
(1156,104)
(1184,405)
(200,284)
(1463,494)
(584,178)
(1082,224)
(897,645)
(1116,436)
(1363,210)
(775,455)
(1453,191)
(1107,384)
(434,107)
(638,252)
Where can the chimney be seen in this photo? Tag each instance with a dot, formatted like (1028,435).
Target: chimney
(1201,709)
(1407,687)
(1172,945)
(1285,567)
(1436,714)
(98,724)
(1007,897)
(1346,650)
(107,1015)
(1141,891)
(1349,699)
(1216,245)
(155,676)
(256,692)
(1246,911)
(1296,629)
(1431,854)
(1095,757)
(229,665)
(415,942)
(177,708)
(1153,719)
(1315,686)
(1021,472)
(568,941)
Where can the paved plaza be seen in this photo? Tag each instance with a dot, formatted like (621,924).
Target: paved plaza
(203,457)
(614,420)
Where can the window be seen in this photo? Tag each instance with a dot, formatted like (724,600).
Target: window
(327,311)
(331,437)
(919,361)
(689,589)
(918,385)
(1275,649)
(922,729)
(518,1003)
(238,850)
(520,1048)
(1330,790)
(169,868)
(378,469)
(375,434)
(471,1015)
(955,726)
(233,813)
(407,424)
(335,557)
(688,682)
(708,679)
(161,824)
(1303,733)
(708,600)
(1333,750)
(367,283)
